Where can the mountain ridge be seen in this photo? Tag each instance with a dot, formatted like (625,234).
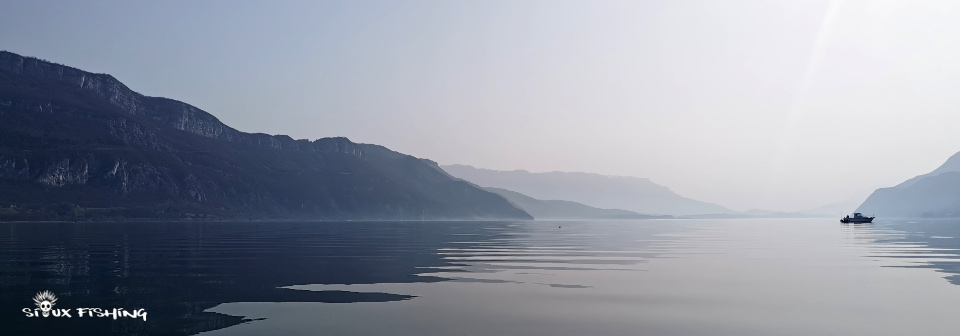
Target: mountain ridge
(80,145)
(601,191)
(934,194)
(566,210)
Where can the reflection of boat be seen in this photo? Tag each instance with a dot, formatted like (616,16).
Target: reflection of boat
(857,218)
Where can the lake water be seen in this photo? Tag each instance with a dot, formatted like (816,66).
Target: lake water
(655,277)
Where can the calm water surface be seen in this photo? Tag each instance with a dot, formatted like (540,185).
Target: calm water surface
(669,277)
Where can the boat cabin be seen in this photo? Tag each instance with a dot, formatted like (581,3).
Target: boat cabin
(856,218)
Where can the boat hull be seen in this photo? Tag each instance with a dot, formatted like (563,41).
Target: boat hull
(856,220)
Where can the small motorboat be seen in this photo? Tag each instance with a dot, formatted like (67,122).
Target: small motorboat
(856,218)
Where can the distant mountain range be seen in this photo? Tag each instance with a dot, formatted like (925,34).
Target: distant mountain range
(566,210)
(758,214)
(935,194)
(633,194)
(76,145)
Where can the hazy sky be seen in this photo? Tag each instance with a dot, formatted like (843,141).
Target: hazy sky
(780,105)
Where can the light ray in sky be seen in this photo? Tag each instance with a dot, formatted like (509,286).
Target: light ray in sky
(795,110)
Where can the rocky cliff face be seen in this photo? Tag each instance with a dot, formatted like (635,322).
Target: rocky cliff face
(176,114)
(76,144)
(100,84)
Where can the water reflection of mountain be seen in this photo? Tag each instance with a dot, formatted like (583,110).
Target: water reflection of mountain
(177,270)
(924,243)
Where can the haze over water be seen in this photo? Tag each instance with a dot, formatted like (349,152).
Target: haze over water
(668,277)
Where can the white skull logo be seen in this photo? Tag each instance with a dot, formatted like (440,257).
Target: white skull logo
(45,301)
